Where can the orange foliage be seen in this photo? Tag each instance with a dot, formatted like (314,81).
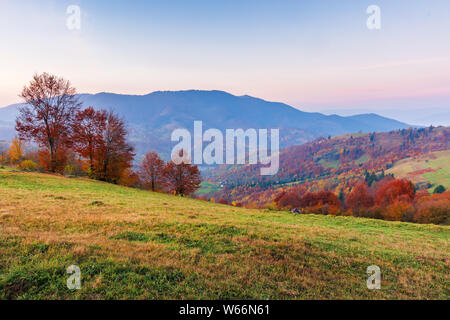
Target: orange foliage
(391,191)
(88,128)
(359,197)
(114,154)
(15,152)
(433,209)
(181,179)
(289,200)
(399,211)
(129,178)
(56,165)
(312,199)
(47,115)
(151,171)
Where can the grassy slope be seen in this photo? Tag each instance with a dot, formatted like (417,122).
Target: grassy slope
(438,161)
(141,245)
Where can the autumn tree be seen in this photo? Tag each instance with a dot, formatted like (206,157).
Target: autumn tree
(152,170)
(433,209)
(15,152)
(394,190)
(88,129)
(47,116)
(278,197)
(115,154)
(359,197)
(322,202)
(129,178)
(289,200)
(183,178)
(312,199)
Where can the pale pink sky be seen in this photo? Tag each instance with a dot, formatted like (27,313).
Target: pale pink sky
(313,56)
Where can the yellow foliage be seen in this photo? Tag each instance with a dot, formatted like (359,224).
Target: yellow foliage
(16,150)
(28,165)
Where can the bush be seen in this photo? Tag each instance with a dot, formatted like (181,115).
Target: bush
(435,212)
(371,213)
(439,189)
(312,199)
(288,200)
(28,165)
(399,211)
(69,170)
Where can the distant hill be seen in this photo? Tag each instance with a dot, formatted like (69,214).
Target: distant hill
(154,116)
(334,163)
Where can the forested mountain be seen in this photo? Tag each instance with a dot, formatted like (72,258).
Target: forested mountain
(334,163)
(152,117)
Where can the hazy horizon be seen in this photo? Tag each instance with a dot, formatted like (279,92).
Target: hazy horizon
(436,115)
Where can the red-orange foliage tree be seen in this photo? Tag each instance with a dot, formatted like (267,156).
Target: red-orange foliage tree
(433,209)
(182,179)
(88,128)
(289,200)
(393,190)
(115,154)
(359,197)
(312,199)
(152,171)
(46,117)
(278,197)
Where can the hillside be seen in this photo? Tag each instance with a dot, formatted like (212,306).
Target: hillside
(154,116)
(140,245)
(431,169)
(334,163)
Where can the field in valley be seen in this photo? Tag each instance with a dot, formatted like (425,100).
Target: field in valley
(134,244)
(431,168)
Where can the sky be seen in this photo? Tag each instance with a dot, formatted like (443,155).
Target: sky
(314,55)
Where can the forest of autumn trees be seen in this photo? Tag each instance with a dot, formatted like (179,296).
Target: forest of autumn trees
(350,168)
(88,141)
(388,199)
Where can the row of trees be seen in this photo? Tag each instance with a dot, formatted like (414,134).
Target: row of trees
(94,140)
(388,199)
(156,175)
(52,118)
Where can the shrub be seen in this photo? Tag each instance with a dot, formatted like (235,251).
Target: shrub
(433,212)
(69,170)
(372,213)
(439,189)
(433,209)
(28,165)
(399,211)
(289,200)
(312,199)
(359,197)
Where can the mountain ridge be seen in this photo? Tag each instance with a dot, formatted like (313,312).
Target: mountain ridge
(153,116)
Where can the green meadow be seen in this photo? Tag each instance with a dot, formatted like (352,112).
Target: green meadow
(135,244)
(433,168)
